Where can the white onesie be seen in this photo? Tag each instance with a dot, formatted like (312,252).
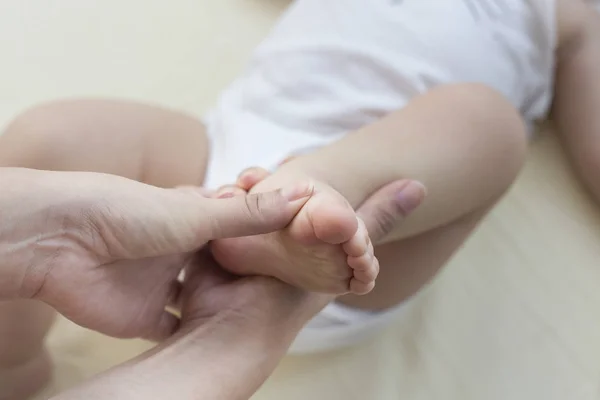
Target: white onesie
(331,66)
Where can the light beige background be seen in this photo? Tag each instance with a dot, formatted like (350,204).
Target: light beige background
(515,316)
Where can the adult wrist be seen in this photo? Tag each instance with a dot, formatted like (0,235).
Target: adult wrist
(240,346)
(228,355)
(282,308)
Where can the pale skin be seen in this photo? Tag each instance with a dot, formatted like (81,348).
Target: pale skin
(426,140)
(106,252)
(223,349)
(93,246)
(233,330)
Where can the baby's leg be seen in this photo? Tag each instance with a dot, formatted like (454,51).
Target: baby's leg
(464,142)
(577,87)
(149,144)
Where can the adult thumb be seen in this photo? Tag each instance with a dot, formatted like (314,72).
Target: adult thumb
(251,214)
(144,221)
(387,208)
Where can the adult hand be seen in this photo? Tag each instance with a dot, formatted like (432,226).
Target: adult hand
(387,208)
(271,313)
(382,212)
(233,333)
(210,290)
(106,251)
(234,330)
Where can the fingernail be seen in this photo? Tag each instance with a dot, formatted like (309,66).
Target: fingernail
(410,196)
(226,195)
(298,191)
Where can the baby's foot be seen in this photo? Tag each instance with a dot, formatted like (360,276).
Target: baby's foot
(21,381)
(326,248)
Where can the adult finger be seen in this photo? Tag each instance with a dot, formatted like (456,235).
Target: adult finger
(226,191)
(389,206)
(252,214)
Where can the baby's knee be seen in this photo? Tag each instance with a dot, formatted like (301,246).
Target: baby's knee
(36,137)
(493,119)
(37,122)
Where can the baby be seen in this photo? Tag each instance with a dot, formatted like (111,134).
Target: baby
(354,94)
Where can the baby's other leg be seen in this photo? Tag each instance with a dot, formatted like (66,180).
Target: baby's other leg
(137,141)
(148,144)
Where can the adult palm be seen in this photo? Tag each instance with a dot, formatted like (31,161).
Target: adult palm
(106,251)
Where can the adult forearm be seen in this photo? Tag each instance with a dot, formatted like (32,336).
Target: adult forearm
(227,356)
(220,360)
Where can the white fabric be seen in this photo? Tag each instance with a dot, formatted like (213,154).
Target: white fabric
(332,66)
(339,326)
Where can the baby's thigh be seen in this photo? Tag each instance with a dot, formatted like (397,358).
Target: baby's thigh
(146,143)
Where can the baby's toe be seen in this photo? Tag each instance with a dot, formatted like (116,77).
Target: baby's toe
(332,219)
(360,242)
(360,288)
(365,267)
